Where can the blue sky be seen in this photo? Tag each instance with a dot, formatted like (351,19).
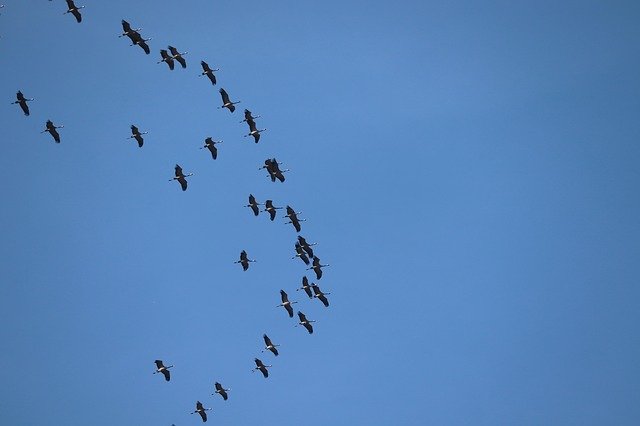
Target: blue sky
(470,172)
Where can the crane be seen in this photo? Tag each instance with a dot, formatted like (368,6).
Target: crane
(320,295)
(305,322)
(285,303)
(272,166)
(201,410)
(178,56)
(301,254)
(244,260)
(135,37)
(181,177)
(306,246)
(206,70)
(269,207)
(51,128)
(160,368)
(210,144)
(253,130)
(254,205)
(306,287)
(269,346)
(226,103)
(166,58)
(22,101)
(293,218)
(317,267)
(137,135)
(222,391)
(263,368)
(74,10)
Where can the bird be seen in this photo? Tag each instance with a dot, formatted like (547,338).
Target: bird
(222,391)
(210,144)
(301,254)
(305,322)
(127,30)
(263,368)
(51,128)
(320,295)
(160,368)
(201,410)
(253,130)
(254,205)
(248,116)
(181,177)
(22,101)
(166,58)
(269,346)
(306,246)
(74,10)
(293,218)
(244,260)
(285,303)
(206,70)
(135,37)
(271,209)
(306,287)
(317,267)
(226,103)
(137,135)
(178,56)
(272,166)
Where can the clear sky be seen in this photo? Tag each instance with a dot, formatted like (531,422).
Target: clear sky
(468,169)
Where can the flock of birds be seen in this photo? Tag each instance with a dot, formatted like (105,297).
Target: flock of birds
(303,249)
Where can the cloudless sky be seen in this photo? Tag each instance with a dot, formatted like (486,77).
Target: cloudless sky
(469,170)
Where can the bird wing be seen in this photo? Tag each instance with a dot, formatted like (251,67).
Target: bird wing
(24,106)
(218,386)
(267,341)
(20,96)
(205,66)
(212,77)
(70,4)
(318,271)
(183,183)
(302,317)
(309,327)
(55,134)
(178,171)
(203,414)
(324,300)
(274,350)
(182,61)
(78,16)
(289,310)
(174,51)
(243,255)
(140,140)
(199,406)
(224,394)
(296,224)
(225,96)
(159,364)
(284,296)
(167,374)
(134,130)
(272,214)
(264,371)
(258,362)
(126,27)
(214,151)
(144,46)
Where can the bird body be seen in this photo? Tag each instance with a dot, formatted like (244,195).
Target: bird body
(301,254)
(305,322)
(293,218)
(320,295)
(74,10)
(271,209)
(306,287)
(210,144)
(181,177)
(51,128)
(253,130)
(253,204)
(137,135)
(317,267)
(226,102)
(206,70)
(269,346)
(175,54)
(306,246)
(244,260)
(263,368)
(160,368)
(166,58)
(286,303)
(201,410)
(22,101)
(222,391)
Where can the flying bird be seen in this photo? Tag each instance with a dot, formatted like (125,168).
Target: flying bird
(222,391)
(273,167)
(263,368)
(244,260)
(293,218)
(210,144)
(201,410)
(226,103)
(320,295)
(206,70)
(306,246)
(269,346)
(306,287)
(317,267)
(305,322)
(254,205)
(166,58)
(178,56)
(137,135)
(301,254)
(181,177)
(285,303)
(22,101)
(51,128)
(160,368)
(271,209)
(74,10)
(135,37)
(253,130)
